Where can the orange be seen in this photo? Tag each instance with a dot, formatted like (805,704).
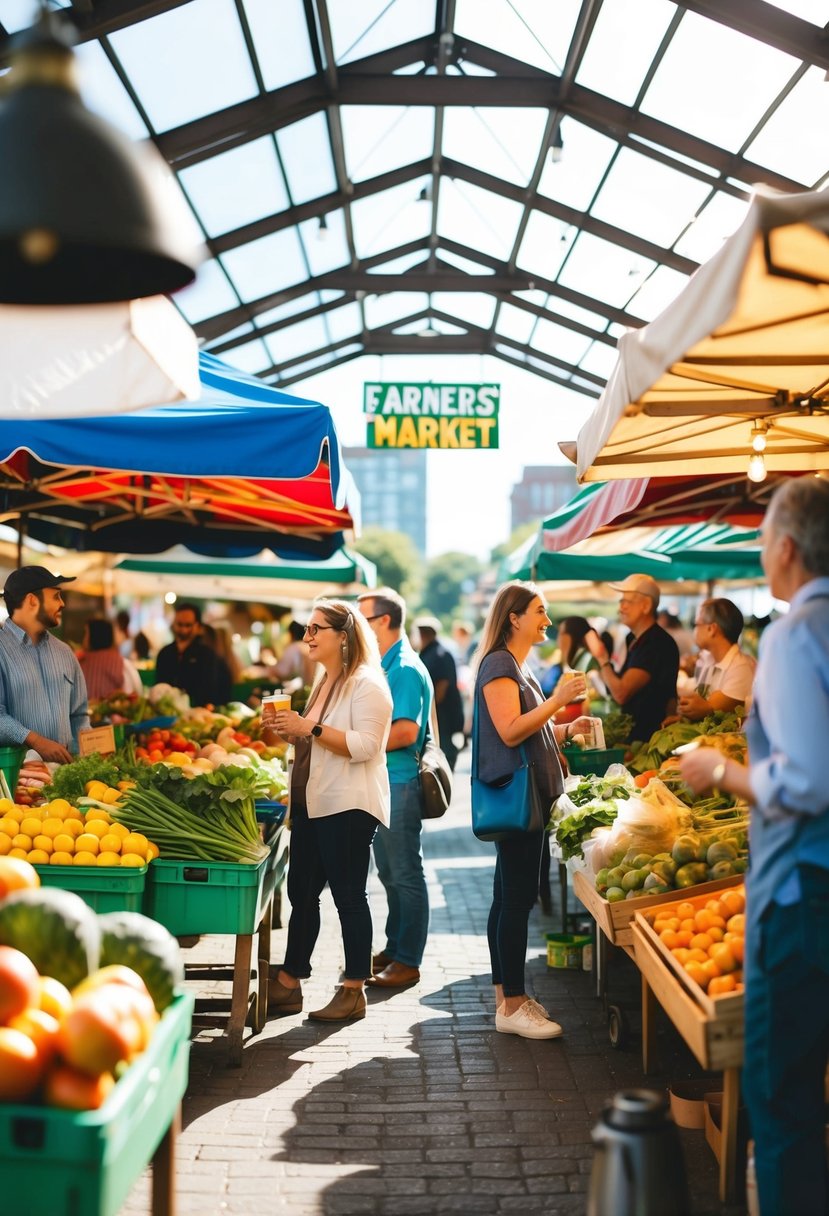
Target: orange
(20,1065)
(733,901)
(701,941)
(42,1028)
(717,907)
(722,984)
(681,955)
(671,938)
(724,957)
(697,974)
(697,956)
(684,937)
(686,925)
(706,919)
(53,997)
(16,875)
(711,969)
(737,923)
(685,910)
(716,934)
(738,949)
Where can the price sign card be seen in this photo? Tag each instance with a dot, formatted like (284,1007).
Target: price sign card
(99,739)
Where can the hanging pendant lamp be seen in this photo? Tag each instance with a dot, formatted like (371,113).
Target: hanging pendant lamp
(86,216)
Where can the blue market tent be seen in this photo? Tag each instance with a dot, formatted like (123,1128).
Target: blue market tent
(243,468)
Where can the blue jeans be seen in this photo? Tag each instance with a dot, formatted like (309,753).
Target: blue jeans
(514,892)
(786,1049)
(335,850)
(400,867)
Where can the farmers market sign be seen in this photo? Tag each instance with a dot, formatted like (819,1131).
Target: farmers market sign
(431,415)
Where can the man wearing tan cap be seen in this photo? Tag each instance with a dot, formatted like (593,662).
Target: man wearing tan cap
(645,686)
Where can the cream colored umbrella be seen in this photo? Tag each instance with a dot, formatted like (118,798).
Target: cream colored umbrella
(736,367)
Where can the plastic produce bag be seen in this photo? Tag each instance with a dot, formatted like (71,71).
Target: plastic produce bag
(641,827)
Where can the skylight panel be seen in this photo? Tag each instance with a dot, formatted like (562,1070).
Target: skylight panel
(380,138)
(103,92)
(306,155)
(717,220)
(289,309)
(502,141)
(657,291)
(187,62)
(467,265)
(253,357)
(388,219)
(400,265)
(209,294)
(475,307)
(533,30)
(515,323)
(649,199)
(600,360)
(546,243)
(236,187)
(810,10)
(562,343)
(344,321)
(564,308)
(793,141)
(280,36)
(326,246)
(308,335)
(16,15)
(478,218)
(638,26)
(604,271)
(742,77)
(585,155)
(267,265)
(358,30)
(386,309)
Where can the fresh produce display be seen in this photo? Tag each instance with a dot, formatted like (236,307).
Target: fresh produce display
(160,701)
(34,777)
(617,726)
(663,743)
(132,940)
(58,834)
(71,1022)
(707,938)
(587,803)
(70,781)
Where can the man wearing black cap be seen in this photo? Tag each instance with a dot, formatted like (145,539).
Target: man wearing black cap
(646,683)
(43,702)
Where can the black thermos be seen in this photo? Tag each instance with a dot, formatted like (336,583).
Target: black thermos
(638,1169)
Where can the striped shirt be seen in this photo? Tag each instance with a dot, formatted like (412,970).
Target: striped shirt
(42,689)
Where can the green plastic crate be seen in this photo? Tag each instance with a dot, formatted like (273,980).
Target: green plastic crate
(67,1163)
(592,761)
(209,896)
(104,888)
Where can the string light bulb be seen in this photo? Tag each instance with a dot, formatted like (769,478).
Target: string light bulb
(758,437)
(757,467)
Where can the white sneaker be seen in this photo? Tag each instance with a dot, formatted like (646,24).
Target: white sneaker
(529,1021)
(538,1005)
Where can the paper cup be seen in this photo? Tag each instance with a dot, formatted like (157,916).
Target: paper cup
(278,700)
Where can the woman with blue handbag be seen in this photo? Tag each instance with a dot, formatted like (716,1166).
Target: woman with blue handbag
(516,775)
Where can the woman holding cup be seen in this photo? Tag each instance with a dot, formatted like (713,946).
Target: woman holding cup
(511,709)
(339,793)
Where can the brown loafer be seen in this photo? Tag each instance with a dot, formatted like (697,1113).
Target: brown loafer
(396,975)
(380,961)
(282,999)
(346,1005)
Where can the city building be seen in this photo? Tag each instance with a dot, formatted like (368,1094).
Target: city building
(541,490)
(392,485)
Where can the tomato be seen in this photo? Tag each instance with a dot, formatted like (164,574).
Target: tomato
(73,1090)
(19,984)
(643,778)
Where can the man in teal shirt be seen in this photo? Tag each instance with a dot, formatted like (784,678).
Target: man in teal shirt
(397,847)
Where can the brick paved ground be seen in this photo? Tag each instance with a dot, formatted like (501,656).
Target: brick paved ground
(422,1107)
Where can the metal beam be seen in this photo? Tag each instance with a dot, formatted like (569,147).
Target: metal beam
(767,23)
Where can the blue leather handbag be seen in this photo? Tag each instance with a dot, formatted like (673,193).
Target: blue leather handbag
(507,807)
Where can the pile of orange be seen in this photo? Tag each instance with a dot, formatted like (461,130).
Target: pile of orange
(707,939)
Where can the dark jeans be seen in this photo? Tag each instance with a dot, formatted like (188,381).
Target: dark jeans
(400,868)
(514,893)
(786,1050)
(334,850)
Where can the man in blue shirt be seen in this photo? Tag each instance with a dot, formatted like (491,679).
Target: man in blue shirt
(397,847)
(43,702)
(787,959)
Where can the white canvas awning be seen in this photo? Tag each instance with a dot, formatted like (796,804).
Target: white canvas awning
(743,349)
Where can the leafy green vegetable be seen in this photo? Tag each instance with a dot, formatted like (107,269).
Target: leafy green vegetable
(69,780)
(572,831)
(617,727)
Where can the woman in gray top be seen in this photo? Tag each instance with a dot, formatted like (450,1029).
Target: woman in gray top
(511,709)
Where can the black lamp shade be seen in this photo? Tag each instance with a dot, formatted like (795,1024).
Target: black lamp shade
(83,219)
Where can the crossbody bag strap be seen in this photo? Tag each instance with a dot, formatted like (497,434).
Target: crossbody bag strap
(479,695)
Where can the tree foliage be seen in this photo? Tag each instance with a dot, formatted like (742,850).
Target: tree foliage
(516,538)
(398,562)
(443,587)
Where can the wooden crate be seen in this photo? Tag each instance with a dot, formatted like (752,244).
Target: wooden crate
(614,920)
(715,1038)
(729,1004)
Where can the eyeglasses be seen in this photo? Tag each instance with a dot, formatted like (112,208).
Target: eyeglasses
(703,623)
(376,616)
(313,630)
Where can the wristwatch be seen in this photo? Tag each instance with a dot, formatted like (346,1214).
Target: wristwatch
(316,731)
(718,772)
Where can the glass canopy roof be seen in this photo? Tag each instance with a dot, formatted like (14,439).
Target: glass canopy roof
(517,178)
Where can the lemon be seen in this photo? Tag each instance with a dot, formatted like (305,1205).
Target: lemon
(9,825)
(61,859)
(109,859)
(16,852)
(73,827)
(73,815)
(152,851)
(132,859)
(97,827)
(135,843)
(17,813)
(60,807)
(50,827)
(37,857)
(118,829)
(110,843)
(6,804)
(31,825)
(64,843)
(111,796)
(44,843)
(22,841)
(87,842)
(5,843)
(97,813)
(96,789)
(84,858)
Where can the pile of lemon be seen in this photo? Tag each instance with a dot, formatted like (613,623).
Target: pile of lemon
(60,834)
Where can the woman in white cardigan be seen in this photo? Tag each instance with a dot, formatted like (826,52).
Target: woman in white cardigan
(339,793)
